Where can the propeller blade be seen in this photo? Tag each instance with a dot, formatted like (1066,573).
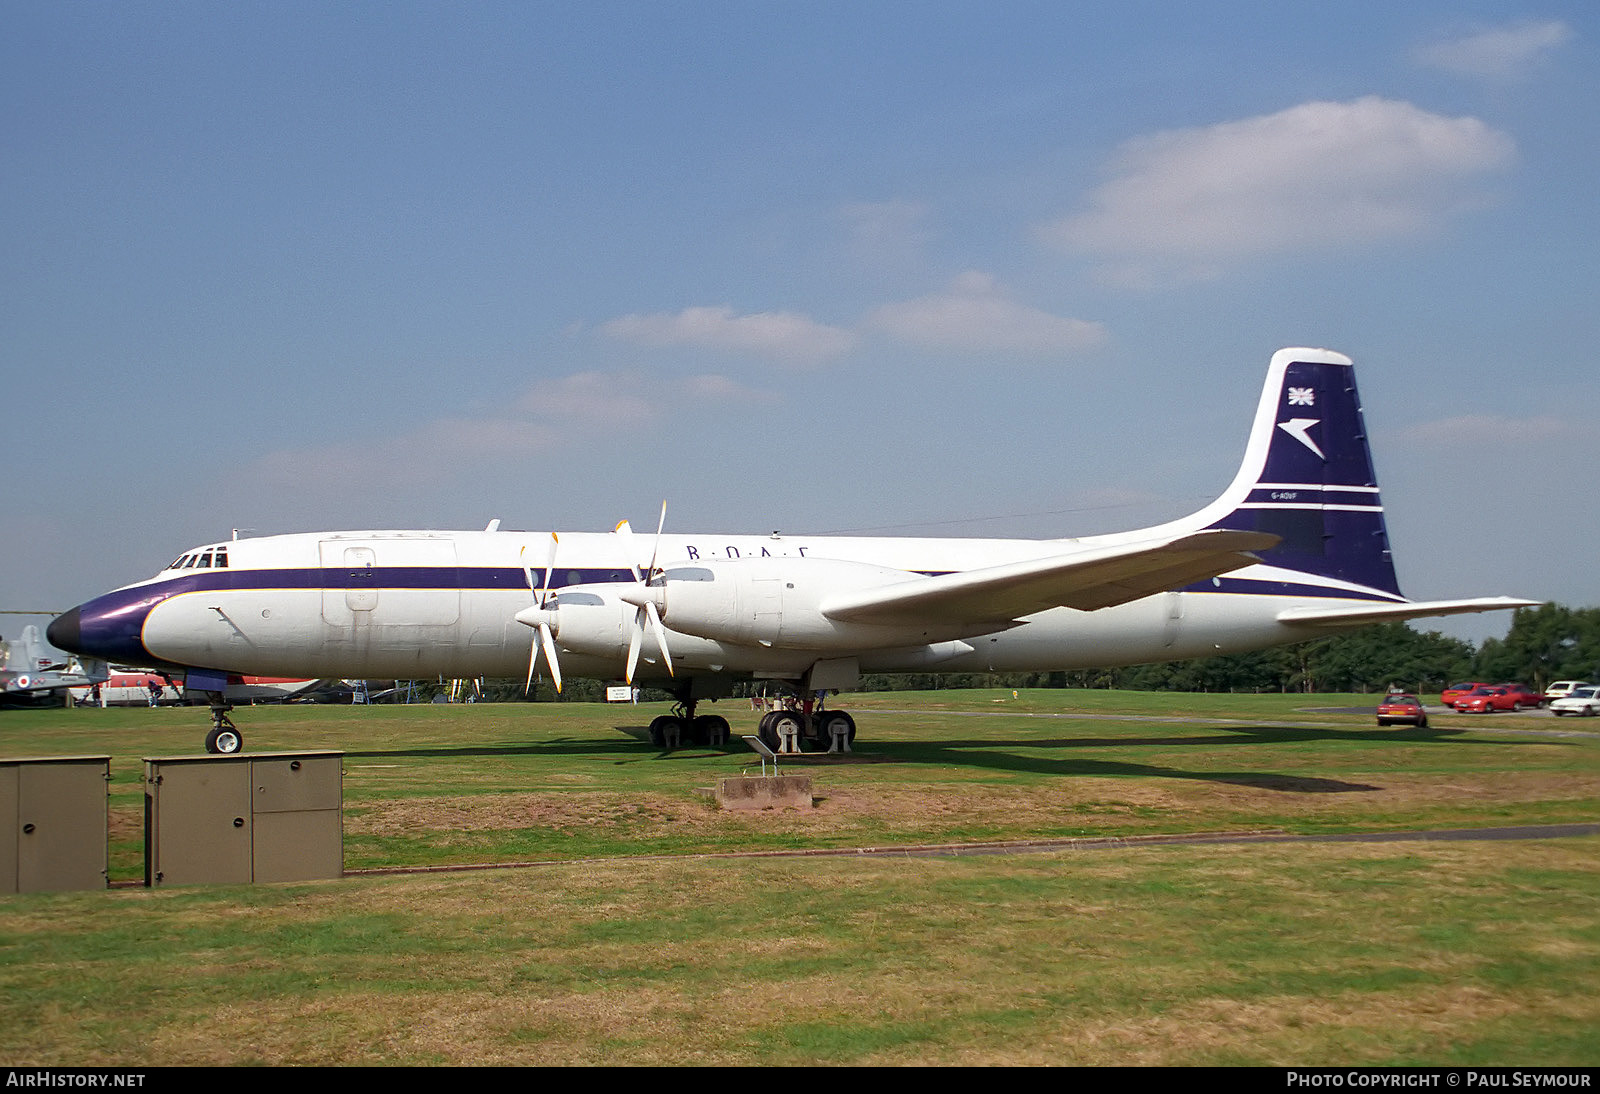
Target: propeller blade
(527,571)
(661,634)
(550,567)
(656,547)
(635,640)
(547,640)
(641,597)
(625,530)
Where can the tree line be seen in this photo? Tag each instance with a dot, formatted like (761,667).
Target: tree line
(1547,643)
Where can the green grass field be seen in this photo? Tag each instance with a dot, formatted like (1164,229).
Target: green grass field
(630,946)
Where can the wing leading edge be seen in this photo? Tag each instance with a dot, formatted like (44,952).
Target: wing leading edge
(1086,580)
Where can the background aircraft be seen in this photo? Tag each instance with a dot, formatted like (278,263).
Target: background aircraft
(131,687)
(29,673)
(1296,545)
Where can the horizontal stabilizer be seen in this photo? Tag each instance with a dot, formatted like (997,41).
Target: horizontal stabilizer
(1087,580)
(1383,613)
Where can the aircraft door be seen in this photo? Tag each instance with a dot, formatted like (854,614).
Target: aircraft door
(418,586)
(765,608)
(349,584)
(360,579)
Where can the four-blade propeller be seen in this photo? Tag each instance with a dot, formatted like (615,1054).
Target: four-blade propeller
(647,599)
(542,619)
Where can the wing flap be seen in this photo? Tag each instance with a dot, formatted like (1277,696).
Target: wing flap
(1087,580)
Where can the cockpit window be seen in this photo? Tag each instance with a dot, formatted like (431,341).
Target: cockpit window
(211,558)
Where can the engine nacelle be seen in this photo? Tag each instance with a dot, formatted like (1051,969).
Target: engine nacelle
(587,619)
(778,602)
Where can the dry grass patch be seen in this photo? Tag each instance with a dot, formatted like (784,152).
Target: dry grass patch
(915,811)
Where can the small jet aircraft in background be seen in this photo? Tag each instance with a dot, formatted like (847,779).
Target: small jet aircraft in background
(29,672)
(1294,548)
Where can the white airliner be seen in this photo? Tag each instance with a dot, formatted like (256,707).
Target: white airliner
(1293,548)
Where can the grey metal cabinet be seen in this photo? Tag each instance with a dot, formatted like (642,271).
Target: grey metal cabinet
(269,816)
(53,823)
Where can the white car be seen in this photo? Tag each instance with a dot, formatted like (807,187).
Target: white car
(1583,701)
(1563,688)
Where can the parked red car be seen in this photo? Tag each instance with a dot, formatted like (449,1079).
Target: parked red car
(1524,696)
(1397,706)
(1455,691)
(1483,700)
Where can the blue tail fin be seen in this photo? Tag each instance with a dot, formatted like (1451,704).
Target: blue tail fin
(1307,477)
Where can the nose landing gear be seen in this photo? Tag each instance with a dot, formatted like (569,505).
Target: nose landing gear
(224,738)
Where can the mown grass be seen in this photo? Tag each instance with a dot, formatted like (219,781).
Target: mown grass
(519,782)
(1414,953)
(1310,954)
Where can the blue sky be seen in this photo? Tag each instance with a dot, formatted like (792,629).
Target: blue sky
(931,268)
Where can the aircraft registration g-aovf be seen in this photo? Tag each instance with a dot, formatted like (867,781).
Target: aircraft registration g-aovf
(1294,548)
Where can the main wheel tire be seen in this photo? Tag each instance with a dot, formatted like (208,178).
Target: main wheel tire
(712,729)
(659,727)
(224,742)
(768,735)
(785,722)
(832,718)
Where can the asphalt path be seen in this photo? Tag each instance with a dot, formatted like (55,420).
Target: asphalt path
(1488,720)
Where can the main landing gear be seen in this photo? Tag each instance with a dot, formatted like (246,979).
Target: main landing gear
(784,730)
(787,731)
(224,738)
(684,727)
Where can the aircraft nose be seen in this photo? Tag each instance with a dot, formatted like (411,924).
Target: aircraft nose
(109,627)
(65,631)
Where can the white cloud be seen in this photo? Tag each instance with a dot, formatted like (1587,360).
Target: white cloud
(782,335)
(1184,203)
(974,315)
(590,398)
(1497,53)
(581,413)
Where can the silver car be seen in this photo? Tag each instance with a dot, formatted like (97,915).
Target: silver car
(1584,702)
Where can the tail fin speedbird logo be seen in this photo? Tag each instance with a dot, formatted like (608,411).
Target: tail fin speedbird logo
(1296,428)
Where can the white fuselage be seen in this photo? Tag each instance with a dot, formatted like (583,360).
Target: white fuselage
(443,603)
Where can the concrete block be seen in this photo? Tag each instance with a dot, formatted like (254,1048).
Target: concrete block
(764,792)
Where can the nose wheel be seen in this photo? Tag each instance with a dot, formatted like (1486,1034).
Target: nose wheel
(224,738)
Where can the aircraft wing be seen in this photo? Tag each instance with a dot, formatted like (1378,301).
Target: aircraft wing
(1087,580)
(1383,613)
